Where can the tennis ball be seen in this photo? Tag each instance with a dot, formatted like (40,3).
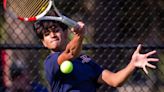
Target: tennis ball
(66,67)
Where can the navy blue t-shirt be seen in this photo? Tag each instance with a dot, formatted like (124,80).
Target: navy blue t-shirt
(83,78)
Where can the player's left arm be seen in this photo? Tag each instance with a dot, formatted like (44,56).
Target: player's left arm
(138,61)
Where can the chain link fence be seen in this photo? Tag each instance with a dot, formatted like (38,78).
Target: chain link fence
(115,28)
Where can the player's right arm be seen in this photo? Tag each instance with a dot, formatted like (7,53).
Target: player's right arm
(74,47)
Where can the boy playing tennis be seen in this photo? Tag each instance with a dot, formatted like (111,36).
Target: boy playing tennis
(86,75)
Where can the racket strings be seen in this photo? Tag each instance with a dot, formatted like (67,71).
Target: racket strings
(28,8)
(20,8)
(17,6)
(33,10)
(41,7)
(36,8)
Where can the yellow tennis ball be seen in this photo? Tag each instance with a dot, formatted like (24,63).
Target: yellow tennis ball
(66,67)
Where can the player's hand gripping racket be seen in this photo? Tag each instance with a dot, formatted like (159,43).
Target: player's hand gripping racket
(32,10)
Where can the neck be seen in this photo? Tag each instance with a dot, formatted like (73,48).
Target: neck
(62,48)
(56,50)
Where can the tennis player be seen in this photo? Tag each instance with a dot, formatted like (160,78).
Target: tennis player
(86,76)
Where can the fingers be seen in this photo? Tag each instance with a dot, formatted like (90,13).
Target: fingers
(150,53)
(150,65)
(152,60)
(78,29)
(138,48)
(145,70)
(81,24)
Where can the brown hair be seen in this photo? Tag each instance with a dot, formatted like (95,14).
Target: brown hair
(41,26)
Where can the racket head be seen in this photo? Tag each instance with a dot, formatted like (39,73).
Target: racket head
(30,10)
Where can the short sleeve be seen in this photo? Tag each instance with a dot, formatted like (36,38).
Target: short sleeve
(96,69)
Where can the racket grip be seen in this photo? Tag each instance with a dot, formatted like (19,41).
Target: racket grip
(69,22)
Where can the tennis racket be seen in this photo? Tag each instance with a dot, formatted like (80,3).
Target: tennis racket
(32,10)
(4,4)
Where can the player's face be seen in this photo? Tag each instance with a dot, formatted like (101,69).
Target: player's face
(55,38)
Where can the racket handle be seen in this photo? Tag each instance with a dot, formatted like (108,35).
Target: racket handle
(69,22)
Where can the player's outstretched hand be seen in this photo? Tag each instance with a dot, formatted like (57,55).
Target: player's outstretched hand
(142,60)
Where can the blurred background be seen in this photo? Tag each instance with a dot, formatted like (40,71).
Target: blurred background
(115,28)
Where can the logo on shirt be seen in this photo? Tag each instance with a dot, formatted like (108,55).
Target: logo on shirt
(85,59)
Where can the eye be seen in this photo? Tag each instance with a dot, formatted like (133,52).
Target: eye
(55,29)
(46,33)
(52,28)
